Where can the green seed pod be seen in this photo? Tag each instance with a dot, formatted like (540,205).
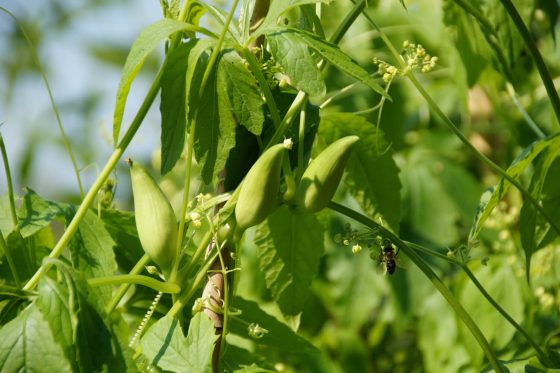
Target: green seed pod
(322,176)
(259,191)
(155,219)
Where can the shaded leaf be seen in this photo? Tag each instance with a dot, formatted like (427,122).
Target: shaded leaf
(290,247)
(372,173)
(215,131)
(277,8)
(166,347)
(295,57)
(36,213)
(27,345)
(141,48)
(243,96)
(121,225)
(492,196)
(172,106)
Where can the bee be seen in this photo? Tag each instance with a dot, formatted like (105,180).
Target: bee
(388,256)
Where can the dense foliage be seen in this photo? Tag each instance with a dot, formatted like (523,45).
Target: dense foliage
(355,187)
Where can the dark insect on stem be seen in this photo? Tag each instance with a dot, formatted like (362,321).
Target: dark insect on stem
(388,256)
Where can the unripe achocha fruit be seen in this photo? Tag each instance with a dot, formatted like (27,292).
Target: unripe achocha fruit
(155,220)
(322,176)
(259,190)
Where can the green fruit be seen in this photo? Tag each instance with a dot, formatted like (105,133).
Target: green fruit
(155,219)
(322,176)
(259,190)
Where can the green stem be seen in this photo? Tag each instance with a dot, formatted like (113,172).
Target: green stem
(347,22)
(100,181)
(11,197)
(436,281)
(301,144)
(534,51)
(11,263)
(542,356)
(530,122)
(164,287)
(288,118)
(121,291)
(51,98)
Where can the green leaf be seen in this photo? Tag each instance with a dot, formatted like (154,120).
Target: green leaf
(470,41)
(297,61)
(277,8)
(166,347)
(499,280)
(121,225)
(332,54)
(533,228)
(215,131)
(37,213)
(492,196)
(6,225)
(172,106)
(92,253)
(278,337)
(28,345)
(290,247)
(373,176)
(243,96)
(141,48)
(75,324)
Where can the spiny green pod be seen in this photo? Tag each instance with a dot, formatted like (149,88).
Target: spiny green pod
(322,176)
(155,218)
(259,190)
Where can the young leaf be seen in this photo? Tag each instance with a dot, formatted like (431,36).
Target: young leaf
(492,196)
(373,176)
(332,54)
(290,247)
(28,345)
(166,347)
(172,106)
(92,253)
(297,61)
(215,131)
(141,48)
(243,95)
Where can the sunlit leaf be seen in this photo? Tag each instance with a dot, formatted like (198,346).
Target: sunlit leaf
(297,62)
(166,347)
(277,8)
(28,345)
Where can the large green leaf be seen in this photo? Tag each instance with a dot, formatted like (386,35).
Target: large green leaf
(243,95)
(166,347)
(373,176)
(215,129)
(141,48)
(172,106)
(92,253)
(290,247)
(297,61)
(332,54)
(28,345)
(492,196)
(36,213)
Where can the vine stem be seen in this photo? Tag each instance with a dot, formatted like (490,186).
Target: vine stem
(542,356)
(534,51)
(121,291)
(51,98)
(451,126)
(436,281)
(164,287)
(9,183)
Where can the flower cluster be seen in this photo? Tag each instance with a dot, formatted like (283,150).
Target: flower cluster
(415,57)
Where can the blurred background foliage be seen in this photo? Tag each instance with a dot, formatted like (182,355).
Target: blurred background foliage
(361,320)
